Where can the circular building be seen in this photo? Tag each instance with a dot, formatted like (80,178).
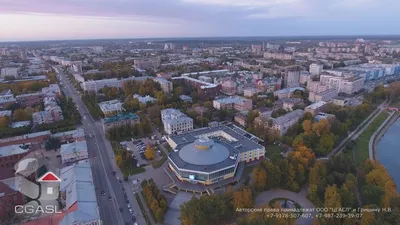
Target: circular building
(203,160)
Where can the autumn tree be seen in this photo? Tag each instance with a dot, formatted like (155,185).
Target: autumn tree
(4,121)
(332,197)
(321,127)
(150,153)
(21,115)
(307,127)
(243,198)
(260,178)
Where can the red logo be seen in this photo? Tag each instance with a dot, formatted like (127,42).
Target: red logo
(49,177)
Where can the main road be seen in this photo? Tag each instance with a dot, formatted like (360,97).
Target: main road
(103,164)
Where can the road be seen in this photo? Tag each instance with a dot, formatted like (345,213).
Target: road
(103,163)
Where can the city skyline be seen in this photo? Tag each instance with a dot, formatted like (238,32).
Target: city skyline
(23,20)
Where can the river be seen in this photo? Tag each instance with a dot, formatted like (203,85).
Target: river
(389,152)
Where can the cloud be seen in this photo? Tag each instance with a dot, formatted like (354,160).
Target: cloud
(200,17)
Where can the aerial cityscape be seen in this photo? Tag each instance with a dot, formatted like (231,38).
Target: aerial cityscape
(129,113)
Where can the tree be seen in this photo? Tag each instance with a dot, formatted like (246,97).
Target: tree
(321,127)
(119,161)
(52,144)
(260,178)
(243,198)
(332,197)
(21,115)
(307,127)
(4,121)
(149,153)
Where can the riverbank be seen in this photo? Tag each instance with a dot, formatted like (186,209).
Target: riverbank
(381,132)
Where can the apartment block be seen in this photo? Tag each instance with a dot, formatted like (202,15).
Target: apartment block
(110,108)
(233,102)
(283,123)
(166,85)
(175,122)
(316,107)
(120,120)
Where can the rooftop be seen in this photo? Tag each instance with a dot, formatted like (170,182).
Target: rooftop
(121,117)
(144,99)
(173,116)
(75,133)
(208,149)
(77,182)
(289,90)
(112,105)
(316,105)
(12,150)
(231,100)
(73,147)
(25,136)
(294,115)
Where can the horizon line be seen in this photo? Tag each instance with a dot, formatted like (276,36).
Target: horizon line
(203,37)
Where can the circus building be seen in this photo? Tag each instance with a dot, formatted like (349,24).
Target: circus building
(212,156)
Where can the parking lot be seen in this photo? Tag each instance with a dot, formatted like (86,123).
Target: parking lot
(138,147)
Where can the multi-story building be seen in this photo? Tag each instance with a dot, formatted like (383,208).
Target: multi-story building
(50,115)
(146,64)
(52,90)
(73,152)
(280,56)
(144,99)
(70,136)
(120,120)
(213,155)
(316,86)
(241,119)
(257,49)
(9,71)
(287,92)
(233,102)
(289,103)
(351,85)
(269,84)
(11,154)
(166,85)
(96,85)
(229,87)
(6,97)
(31,99)
(32,138)
(292,79)
(110,108)
(305,77)
(204,89)
(283,123)
(315,69)
(315,107)
(323,96)
(340,101)
(175,121)
(249,92)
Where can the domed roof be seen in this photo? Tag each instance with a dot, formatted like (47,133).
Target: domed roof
(204,151)
(203,143)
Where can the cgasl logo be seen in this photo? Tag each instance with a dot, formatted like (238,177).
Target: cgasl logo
(43,195)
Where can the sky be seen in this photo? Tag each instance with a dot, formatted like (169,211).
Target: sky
(25,20)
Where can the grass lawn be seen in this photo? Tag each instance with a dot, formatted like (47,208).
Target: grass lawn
(361,148)
(274,152)
(146,217)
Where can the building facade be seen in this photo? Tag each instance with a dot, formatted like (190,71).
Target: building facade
(175,122)
(120,120)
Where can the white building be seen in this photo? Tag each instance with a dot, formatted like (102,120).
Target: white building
(316,69)
(110,108)
(283,123)
(249,92)
(175,121)
(73,152)
(9,71)
(96,85)
(166,85)
(144,99)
